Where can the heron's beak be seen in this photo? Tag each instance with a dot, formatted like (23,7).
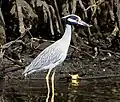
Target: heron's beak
(83,23)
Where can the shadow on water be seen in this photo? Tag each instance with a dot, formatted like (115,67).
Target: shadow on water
(35,90)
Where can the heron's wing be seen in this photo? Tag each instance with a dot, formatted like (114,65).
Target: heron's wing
(48,58)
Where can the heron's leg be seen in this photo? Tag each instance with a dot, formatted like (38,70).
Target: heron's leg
(48,86)
(53,85)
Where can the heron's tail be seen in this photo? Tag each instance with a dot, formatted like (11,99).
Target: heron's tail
(28,70)
(25,73)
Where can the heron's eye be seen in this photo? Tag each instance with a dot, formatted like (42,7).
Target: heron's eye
(77,20)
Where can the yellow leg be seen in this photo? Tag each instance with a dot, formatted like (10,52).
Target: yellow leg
(52,79)
(48,86)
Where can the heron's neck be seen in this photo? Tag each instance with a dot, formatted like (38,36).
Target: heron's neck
(67,35)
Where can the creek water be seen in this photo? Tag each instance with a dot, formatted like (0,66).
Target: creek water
(35,90)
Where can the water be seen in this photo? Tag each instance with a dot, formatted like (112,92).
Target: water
(35,90)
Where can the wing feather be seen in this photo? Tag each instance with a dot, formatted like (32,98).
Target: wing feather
(48,58)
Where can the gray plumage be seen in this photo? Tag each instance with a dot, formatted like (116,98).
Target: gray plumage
(56,53)
(51,56)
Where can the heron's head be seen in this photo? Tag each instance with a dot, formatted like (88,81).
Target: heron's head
(74,20)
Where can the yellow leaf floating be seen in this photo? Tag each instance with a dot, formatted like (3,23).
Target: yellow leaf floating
(75,76)
(74,79)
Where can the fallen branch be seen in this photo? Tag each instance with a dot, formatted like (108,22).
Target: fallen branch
(81,51)
(14,61)
(93,77)
(107,51)
(13,70)
(12,42)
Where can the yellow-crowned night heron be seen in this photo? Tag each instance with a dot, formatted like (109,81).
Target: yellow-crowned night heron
(56,53)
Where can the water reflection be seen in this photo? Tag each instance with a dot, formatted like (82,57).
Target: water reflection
(101,90)
(74,80)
